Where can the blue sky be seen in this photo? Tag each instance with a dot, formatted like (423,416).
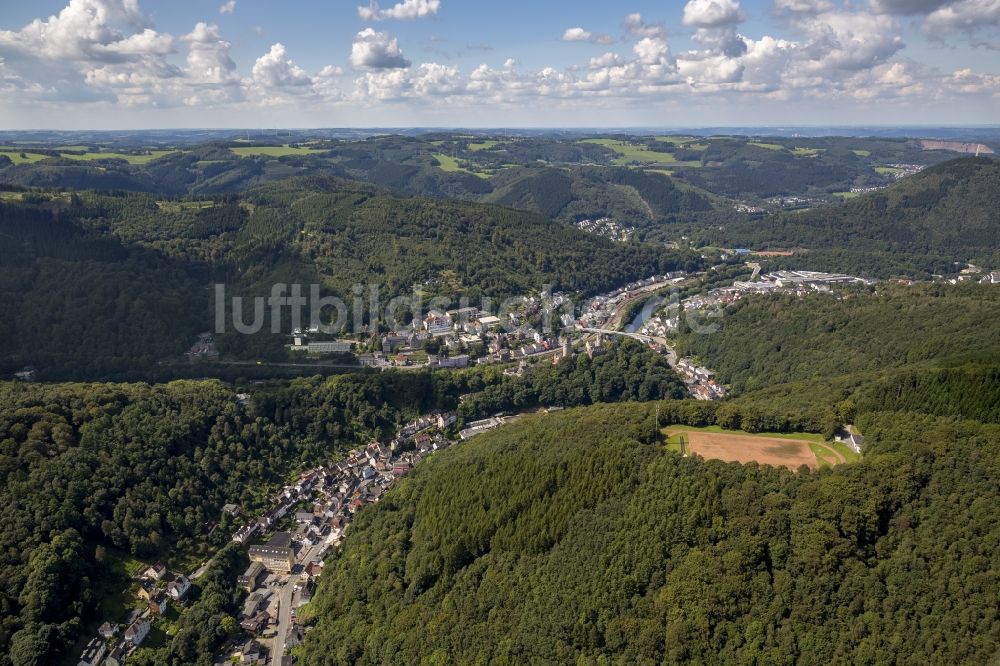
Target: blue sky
(147,63)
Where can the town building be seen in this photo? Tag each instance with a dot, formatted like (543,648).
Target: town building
(437,322)
(277,554)
(324,347)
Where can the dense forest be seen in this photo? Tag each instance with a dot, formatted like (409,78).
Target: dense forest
(87,469)
(574,538)
(766,340)
(141,469)
(81,304)
(629,371)
(921,225)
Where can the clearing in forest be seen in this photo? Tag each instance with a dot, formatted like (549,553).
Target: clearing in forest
(789,450)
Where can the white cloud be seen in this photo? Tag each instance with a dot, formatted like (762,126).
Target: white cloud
(848,40)
(376,50)
(405,10)
(108,51)
(907,7)
(581,35)
(966,15)
(208,58)
(803,6)
(715,24)
(84,30)
(712,13)
(227,7)
(276,79)
(637,27)
(606,60)
(275,71)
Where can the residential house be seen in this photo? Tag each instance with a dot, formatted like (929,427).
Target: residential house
(437,322)
(146,590)
(294,637)
(156,571)
(117,655)
(108,630)
(93,653)
(158,604)
(179,587)
(254,603)
(304,517)
(460,361)
(137,631)
(257,623)
(253,653)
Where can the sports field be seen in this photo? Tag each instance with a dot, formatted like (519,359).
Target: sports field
(789,450)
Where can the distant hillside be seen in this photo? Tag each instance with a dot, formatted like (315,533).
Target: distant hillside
(633,197)
(489,168)
(945,214)
(101,282)
(81,304)
(343,232)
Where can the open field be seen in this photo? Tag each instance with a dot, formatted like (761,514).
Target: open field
(272,151)
(686,142)
(789,450)
(806,152)
(485,144)
(862,153)
(131,159)
(449,163)
(630,152)
(766,146)
(28,156)
(23,157)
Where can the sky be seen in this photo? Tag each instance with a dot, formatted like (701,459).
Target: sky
(130,64)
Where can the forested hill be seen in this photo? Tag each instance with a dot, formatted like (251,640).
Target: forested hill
(769,340)
(83,304)
(638,198)
(946,213)
(107,284)
(91,474)
(571,539)
(343,232)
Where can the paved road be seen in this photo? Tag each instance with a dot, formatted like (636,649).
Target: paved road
(287,596)
(284,620)
(199,572)
(668,351)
